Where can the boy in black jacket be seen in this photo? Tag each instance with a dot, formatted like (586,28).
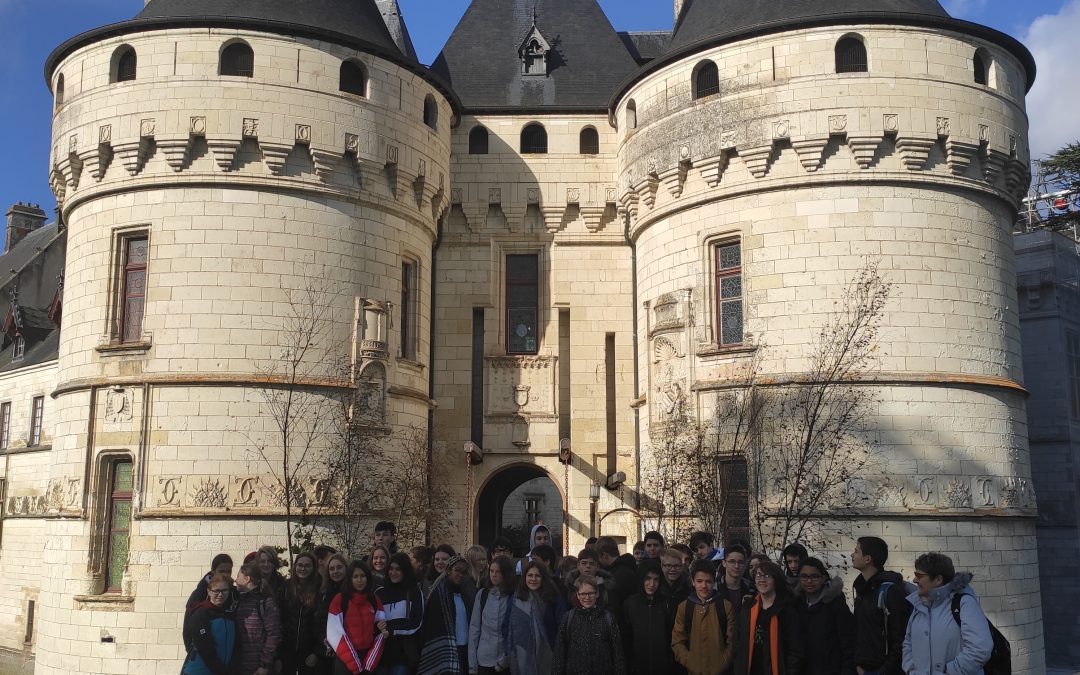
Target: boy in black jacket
(881,610)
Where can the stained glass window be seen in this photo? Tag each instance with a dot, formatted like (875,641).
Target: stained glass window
(522,303)
(134,280)
(121,484)
(729,294)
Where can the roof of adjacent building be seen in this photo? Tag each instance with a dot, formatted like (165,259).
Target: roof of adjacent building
(32,268)
(587,61)
(646,46)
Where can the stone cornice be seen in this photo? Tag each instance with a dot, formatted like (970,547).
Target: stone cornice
(877,379)
(200,380)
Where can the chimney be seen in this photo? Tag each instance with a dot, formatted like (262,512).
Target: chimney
(22,219)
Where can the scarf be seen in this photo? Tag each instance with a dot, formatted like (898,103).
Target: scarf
(440,651)
(774,637)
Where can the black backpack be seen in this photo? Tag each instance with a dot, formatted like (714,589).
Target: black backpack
(1000,661)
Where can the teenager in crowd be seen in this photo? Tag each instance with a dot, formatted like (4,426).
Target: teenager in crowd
(654,545)
(675,580)
(336,569)
(489,649)
(385,534)
(704,548)
(639,551)
(537,609)
(258,624)
(270,563)
(221,564)
(421,558)
(644,626)
(702,639)
(403,605)
(588,641)
(445,635)
(827,626)
(302,645)
(380,556)
(479,561)
(733,583)
(356,627)
(881,610)
(588,566)
(766,637)
(443,554)
(212,631)
(623,568)
(793,556)
(502,546)
(947,624)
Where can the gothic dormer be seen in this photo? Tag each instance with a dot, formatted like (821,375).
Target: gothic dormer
(533,52)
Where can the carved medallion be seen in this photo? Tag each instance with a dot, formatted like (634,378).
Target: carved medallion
(209,494)
(147,128)
(837,124)
(245,491)
(118,405)
(251,127)
(169,491)
(198,126)
(957,494)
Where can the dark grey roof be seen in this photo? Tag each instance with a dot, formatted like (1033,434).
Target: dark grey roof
(37,261)
(395,23)
(645,47)
(360,19)
(704,19)
(480,60)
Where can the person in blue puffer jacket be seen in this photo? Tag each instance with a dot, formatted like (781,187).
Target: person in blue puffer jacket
(934,643)
(213,633)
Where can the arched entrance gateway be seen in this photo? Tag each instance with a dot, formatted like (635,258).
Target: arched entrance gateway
(515,498)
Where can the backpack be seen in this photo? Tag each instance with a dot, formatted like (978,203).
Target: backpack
(721,614)
(883,593)
(1000,661)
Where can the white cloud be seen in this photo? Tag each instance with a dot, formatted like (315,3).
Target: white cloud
(1054,100)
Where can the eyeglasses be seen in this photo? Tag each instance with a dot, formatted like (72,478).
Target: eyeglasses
(921,575)
(219,591)
(810,577)
(762,575)
(672,566)
(587,594)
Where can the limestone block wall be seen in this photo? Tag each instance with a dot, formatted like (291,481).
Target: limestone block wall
(561,206)
(24,500)
(249,190)
(812,173)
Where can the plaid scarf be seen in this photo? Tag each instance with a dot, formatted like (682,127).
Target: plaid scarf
(440,655)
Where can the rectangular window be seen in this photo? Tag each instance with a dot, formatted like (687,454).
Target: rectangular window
(19,350)
(28,634)
(729,295)
(409,315)
(5,424)
(1072,350)
(734,483)
(35,421)
(133,288)
(533,509)
(522,304)
(119,524)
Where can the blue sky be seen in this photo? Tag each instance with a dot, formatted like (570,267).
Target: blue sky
(30,29)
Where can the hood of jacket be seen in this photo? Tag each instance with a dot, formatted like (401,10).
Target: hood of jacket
(626,560)
(872,584)
(532,534)
(960,584)
(695,600)
(833,589)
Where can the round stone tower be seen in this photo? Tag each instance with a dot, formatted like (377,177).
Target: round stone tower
(227,180)
(763,160)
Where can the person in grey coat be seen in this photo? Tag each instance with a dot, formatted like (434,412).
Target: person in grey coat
(489,649)
(934,643)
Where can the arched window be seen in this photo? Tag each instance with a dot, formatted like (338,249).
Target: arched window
(59,95)
(352,79)
(981,63)
(478,141)
(534,139)
(589,141)
(631,115)
(431,112)
(706,80)
(851,56)
(125,62)
(238,59)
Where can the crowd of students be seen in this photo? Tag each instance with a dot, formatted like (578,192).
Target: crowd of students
(661,610)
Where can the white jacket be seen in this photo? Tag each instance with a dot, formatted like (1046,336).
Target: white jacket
(934,644)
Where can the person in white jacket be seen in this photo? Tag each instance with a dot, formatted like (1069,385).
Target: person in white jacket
(935,643)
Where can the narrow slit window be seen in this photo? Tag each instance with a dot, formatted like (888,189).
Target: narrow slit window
(431,112)
(409,313)
(121,481)
(522,303)
(981,65)
(729,294)
(59,94)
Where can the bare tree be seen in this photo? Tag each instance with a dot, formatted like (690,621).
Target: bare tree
(815,439)
(296,395)
(411,498)
(671,473)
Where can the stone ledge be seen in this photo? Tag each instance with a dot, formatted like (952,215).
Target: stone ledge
(124,348)
(107,602)
(26,449)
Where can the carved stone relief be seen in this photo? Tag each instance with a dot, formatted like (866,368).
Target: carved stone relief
(170,491)
(371,393)
(373,318)
(245,492)
(118,405)
(209,494)
(525,386)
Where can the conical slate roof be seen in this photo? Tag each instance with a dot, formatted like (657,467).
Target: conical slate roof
(360,19)
(586,63)
(705,19)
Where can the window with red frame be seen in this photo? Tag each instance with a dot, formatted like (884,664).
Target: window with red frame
(121,480)
(729,294)
(136,253)
(36,414)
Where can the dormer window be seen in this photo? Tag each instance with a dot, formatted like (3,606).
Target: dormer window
(533,53)
(19,350)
